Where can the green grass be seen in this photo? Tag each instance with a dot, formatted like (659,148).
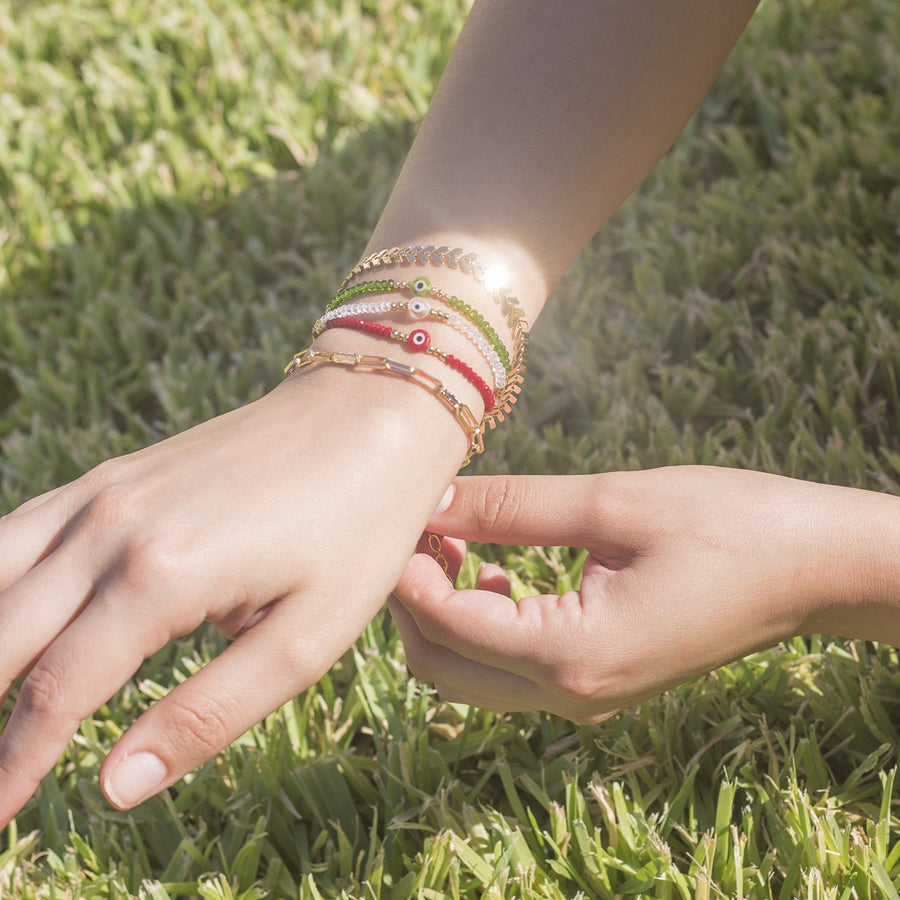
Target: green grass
(184,184)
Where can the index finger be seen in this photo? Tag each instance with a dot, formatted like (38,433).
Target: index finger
(545,510)
(283,654)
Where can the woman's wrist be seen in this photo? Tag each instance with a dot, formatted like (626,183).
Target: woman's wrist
(501,263)
(380,445)
(379,412)
(442,318)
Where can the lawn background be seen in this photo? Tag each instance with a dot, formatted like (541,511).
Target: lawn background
(184,184)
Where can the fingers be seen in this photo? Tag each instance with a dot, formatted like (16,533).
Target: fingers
(266,666)
(492,578)
(78,672)
(481,648)
(488,628)
(615,515)
(38,607)
(28,535)
(32,504)
(263,668)
(462,680)
(449,553)
(524,509)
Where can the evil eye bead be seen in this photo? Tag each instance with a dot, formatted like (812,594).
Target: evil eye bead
(421,287)
(419,340)
(419,309)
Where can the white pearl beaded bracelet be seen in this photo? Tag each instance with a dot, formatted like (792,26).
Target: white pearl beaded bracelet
(420,308)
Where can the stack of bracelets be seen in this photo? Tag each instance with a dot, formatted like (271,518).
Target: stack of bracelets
(356,302)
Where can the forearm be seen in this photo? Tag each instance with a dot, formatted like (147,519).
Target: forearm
(855,570)
(546,119)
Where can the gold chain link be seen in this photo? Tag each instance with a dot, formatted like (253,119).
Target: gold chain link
(435,545)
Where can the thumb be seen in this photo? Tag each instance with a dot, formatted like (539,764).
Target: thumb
(544,510)
(481,626)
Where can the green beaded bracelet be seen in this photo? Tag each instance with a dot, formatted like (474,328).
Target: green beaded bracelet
(422,287)
(365,287)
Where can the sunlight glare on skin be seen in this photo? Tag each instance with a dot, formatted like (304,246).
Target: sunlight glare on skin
(496,276)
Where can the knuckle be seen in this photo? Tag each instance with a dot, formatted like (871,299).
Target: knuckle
(107,476)
(603,501)
(606,505)
(574,685)
(197,729)
(146,554)
(585,696)
(41,693)
(99,477)
(149,561)
(450,694)
(417,664)
(498,503)
(112,507)
(588,716)
(298,666)
(13,771)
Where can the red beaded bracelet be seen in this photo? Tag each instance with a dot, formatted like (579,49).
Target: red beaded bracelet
(419,341)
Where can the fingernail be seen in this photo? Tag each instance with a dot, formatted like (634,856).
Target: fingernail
(446,500)
(135,778)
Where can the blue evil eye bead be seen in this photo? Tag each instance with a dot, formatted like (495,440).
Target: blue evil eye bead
(421,287)
(418,309)
(419,340)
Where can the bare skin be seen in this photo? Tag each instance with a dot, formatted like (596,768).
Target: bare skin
(689,568)
(542,125)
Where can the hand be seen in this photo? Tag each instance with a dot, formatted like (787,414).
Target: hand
(689,568)
(285,523)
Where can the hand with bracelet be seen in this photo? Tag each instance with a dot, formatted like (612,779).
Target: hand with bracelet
(287,522)
(689,567)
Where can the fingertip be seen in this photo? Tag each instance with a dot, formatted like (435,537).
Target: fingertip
(402,617)
(493,578)
(516,509)
(133,779)
(446,500)
(422,579)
